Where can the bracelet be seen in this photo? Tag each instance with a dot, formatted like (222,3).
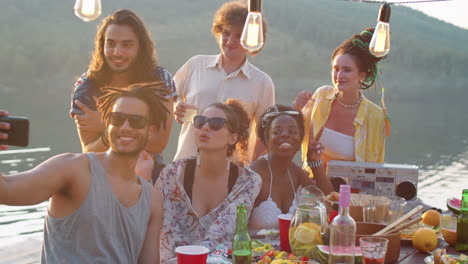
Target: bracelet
(314,163)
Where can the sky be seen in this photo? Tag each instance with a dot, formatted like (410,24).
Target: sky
(454,12)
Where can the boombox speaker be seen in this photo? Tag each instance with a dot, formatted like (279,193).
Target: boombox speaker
(375,178)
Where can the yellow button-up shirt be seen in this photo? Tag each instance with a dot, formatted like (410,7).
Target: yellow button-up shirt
(369,138)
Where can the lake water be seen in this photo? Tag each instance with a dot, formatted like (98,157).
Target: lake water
(434,137)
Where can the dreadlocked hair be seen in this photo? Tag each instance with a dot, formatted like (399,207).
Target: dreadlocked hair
(358,47)
(150,93)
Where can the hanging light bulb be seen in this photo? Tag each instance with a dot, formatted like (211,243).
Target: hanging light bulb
(88,10)
(380,42)
(252,34)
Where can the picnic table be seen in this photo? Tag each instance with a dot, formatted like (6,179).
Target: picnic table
(409,255)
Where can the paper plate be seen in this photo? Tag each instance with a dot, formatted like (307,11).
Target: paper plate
(430,259)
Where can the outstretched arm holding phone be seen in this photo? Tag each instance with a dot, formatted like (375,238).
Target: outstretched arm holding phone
(53,178)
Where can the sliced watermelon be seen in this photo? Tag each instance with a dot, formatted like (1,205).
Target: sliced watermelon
(454,205)
(324,252)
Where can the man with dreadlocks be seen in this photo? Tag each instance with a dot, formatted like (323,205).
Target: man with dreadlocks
(124,54)
(100,210)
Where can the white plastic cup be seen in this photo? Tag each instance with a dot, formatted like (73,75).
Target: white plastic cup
(189,114)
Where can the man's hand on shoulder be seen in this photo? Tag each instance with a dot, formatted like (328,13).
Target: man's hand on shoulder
(145,165)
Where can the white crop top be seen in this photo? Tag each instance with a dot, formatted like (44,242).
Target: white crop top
(337,145)
(265,215)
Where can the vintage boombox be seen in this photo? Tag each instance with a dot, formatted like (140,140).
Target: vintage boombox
(375,178)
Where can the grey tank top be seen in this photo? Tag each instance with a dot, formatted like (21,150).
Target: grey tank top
(102,230)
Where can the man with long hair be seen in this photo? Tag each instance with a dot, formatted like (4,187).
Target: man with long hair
(99,209)
(206,79)
(124,54)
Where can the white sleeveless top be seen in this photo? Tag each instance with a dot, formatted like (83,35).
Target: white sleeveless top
(337,145)
(265,215)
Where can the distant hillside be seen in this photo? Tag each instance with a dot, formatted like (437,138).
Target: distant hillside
(45,47)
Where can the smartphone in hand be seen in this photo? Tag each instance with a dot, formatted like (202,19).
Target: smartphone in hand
(18,134)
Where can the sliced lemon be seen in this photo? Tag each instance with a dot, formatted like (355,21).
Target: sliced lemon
(313,226)
(304,234)
(447,221)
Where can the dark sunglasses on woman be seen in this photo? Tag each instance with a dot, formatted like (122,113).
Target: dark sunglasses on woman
(215,123)
(135,121)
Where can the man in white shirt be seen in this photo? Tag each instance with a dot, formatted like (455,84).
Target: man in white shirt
(206,79)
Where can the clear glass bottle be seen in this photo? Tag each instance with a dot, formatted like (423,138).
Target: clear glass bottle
(241,244)
(462,224)
(342,231)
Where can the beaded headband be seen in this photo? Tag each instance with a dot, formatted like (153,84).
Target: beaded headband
(272,112)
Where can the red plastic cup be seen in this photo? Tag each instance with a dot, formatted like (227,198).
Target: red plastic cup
(191,254)
(284,220)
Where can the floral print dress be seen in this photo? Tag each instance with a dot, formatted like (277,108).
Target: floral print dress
(182,226)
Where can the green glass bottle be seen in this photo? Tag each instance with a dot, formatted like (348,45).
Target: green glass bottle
(462,224)
(241,244)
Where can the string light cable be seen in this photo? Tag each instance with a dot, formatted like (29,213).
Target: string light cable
(388,123)
(396,3)
(380,43)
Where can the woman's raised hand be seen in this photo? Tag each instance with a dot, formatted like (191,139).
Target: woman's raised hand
(301,100)
(315,150)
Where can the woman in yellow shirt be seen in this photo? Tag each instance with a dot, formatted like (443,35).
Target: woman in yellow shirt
(348,125)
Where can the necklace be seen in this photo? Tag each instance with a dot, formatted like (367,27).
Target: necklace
(349,105)
(267,157)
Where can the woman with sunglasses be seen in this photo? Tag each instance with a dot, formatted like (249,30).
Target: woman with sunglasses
(201,194)
(281,128)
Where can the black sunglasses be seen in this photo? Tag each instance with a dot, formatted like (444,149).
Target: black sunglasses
(136,121)
(215,123)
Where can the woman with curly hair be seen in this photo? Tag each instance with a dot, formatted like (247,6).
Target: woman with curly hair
(349,126)
(201,193)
